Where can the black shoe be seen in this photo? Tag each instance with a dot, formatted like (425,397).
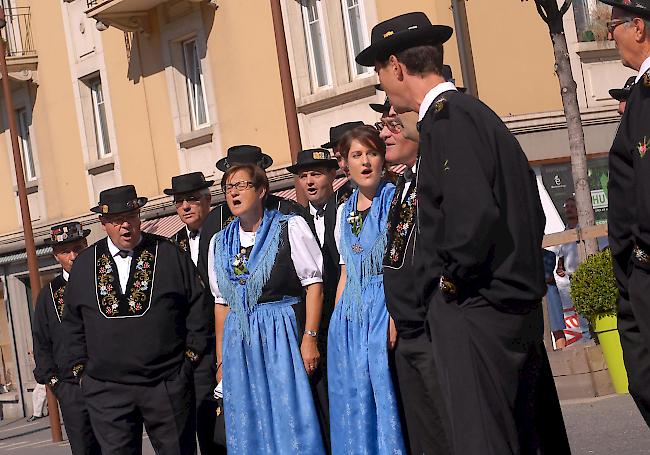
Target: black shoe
(33,418)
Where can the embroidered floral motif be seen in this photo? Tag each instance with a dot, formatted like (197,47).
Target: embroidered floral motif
(58,301)
(138,296)
(400,224)
(239,263)
(183,245)
(645,79)
(642,147)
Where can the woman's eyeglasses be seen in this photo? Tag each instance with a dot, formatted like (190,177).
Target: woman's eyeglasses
(240,186)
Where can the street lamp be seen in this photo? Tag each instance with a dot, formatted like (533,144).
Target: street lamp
(30,247)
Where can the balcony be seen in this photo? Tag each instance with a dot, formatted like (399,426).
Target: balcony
(22,58)
(127,15)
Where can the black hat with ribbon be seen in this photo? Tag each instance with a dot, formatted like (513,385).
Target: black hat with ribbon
(66,233)
(244,154)
(313,158)
(622,94)
(118,200)
(381,108)
(640,7)
(337,132)
(399,33)
(188,183)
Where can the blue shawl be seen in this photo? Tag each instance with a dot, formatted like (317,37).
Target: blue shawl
(242,292)
(367,262)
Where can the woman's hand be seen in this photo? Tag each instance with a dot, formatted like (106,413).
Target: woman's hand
(392,334)
(310,354)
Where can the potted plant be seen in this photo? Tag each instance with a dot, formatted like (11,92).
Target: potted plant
(594,293)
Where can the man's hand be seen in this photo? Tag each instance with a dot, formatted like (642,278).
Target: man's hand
(392,334)
(310,354)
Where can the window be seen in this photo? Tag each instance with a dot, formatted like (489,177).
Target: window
(26,145)
(99,118)
(195,85)
(591,18)
(316,47)
(355,33)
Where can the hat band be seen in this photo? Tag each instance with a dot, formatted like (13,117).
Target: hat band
(129,205)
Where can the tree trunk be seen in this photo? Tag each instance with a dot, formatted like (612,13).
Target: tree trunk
(574,127)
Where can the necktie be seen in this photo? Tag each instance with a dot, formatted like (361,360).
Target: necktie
(409,174)
(123,253)
(320,212)
(194,233)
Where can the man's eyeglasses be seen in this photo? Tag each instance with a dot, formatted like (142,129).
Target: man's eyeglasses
(121,218)
(393,125)
(240,186)
(611,25)
(191,200)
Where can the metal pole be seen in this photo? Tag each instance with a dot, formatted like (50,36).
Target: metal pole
(30,247)
(290,111)
(464,46)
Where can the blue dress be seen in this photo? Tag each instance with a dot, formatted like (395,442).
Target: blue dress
(268,402)
(363,408)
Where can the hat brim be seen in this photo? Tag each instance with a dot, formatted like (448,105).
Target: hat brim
(619,94)
(48,241)
(297,168)
(437,34)
(141,202)
(172,191)
(379,108)
(642,12)
(267,161)
(329,145)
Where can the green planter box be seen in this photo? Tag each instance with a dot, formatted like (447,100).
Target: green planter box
(605,327)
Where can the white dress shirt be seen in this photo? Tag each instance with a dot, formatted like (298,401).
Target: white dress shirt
(305,254)
(645,66)
(319,222)
(407,185)
(66,275)
(430,97)
(123,264)
(194,245)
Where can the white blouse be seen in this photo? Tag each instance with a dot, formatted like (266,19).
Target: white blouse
(305,254)
(337,232)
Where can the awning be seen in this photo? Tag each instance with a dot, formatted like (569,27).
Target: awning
(165,226)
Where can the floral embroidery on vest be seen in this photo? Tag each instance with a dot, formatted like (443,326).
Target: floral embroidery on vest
(401,219)
(182,244)
(57,298)
(136,301)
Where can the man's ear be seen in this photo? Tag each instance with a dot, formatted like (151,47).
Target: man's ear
(396,67)
(641,33)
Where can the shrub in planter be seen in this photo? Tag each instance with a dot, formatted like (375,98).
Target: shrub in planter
(593,287)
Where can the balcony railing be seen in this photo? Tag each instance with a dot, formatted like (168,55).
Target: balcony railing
(17,34)
(91,3)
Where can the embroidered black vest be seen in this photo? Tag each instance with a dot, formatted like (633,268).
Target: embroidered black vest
(137,299)
(182,240)
(57,289)
(401,220)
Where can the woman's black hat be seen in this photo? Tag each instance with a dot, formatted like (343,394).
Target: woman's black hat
(337,132)
(188,183)
(622,94)
(118,200)
(381,108)
(244,154)
(66,233)
(640,7)
(399,33)
(313,158)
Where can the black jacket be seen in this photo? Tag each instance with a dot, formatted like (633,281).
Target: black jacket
(139,337)
(629,183)
(480,219)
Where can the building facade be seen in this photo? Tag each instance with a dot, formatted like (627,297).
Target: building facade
(110,92)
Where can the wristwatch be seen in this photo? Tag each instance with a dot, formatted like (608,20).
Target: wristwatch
(311,333)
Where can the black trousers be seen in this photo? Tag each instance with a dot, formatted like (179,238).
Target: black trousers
(76,419)
(318,382)
(499,393)
(206,406)
(420,396)
(166,409)
(634,330)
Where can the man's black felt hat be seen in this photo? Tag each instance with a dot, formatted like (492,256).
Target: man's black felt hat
(244,154)
(337,132)
(640,7)
(66,233)
(188,183)
(313,158)
(118,200)
(399,33)
(622,94)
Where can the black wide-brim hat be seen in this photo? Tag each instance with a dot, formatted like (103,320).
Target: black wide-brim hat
(381,108)
(620,94)
(66,233)
(640,7)
(118,200)
(313,158)
(399,33)
(244,154)
(337,132)
(188,183)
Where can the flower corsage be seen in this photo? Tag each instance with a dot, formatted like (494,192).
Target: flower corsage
(356,221)
(239,263)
